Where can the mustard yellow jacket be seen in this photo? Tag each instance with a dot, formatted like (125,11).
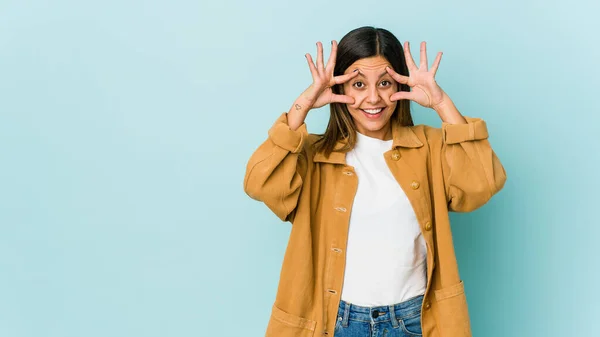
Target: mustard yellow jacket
(452,168)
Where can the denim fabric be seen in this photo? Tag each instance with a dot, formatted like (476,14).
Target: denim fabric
(396,320)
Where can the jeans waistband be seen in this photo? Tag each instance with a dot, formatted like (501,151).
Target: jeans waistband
(407,308)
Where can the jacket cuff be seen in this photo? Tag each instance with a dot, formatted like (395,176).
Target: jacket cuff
(475,129)
(291,140)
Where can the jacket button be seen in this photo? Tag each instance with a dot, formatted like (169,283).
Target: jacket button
(348,173)
(415,184)
(396,156)
(428,226)
(427,305)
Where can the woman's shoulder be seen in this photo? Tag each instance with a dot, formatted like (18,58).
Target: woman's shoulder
(311,141)
(426,133)
(313,138)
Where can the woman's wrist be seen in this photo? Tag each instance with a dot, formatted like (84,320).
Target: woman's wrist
(298,112)
(448,112)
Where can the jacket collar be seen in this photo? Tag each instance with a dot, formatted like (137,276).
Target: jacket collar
(403,136)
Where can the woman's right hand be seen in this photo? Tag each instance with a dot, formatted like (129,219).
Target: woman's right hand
(319,92)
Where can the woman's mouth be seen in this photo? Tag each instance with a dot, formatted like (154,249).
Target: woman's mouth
(373,113)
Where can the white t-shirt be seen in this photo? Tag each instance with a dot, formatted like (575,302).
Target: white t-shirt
(386,254)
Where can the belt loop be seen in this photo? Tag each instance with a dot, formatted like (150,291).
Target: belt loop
(346,314)
(393,316)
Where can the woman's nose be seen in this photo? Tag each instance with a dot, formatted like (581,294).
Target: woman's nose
(374,96)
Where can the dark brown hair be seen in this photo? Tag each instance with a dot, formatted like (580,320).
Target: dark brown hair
(361,43)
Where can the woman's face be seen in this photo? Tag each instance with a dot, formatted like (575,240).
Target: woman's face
(371,90)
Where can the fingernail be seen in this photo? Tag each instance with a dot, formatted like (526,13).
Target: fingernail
(332,42)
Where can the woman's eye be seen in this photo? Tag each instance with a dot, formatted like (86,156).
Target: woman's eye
(359,84)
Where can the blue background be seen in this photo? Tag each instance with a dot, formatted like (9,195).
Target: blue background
(125,128)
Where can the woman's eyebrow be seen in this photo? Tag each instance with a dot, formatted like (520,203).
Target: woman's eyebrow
(380,75)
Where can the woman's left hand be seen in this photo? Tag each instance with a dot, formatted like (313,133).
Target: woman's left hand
(428,93)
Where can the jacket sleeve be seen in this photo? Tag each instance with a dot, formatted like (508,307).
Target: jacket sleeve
(277,168)
(472,171)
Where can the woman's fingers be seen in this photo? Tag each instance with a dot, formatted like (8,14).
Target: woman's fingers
(344,78)
(399,78)
(335,98)
(320,65)
(402,95)
(311,65)
(436,63)
(409,60)
(423,56)
(332,57)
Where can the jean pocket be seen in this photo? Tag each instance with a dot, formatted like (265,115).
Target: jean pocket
(411,325)
(283,323)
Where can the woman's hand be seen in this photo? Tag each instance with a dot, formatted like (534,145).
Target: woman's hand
(429,94)
(319,92)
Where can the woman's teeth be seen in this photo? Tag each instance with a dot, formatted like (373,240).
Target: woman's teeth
(372,111)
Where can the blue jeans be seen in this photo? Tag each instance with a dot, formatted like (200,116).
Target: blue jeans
(396,320)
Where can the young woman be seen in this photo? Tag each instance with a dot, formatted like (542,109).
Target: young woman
(370,251)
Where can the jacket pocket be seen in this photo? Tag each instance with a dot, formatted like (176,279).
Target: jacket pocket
(452,311)
(284,324)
